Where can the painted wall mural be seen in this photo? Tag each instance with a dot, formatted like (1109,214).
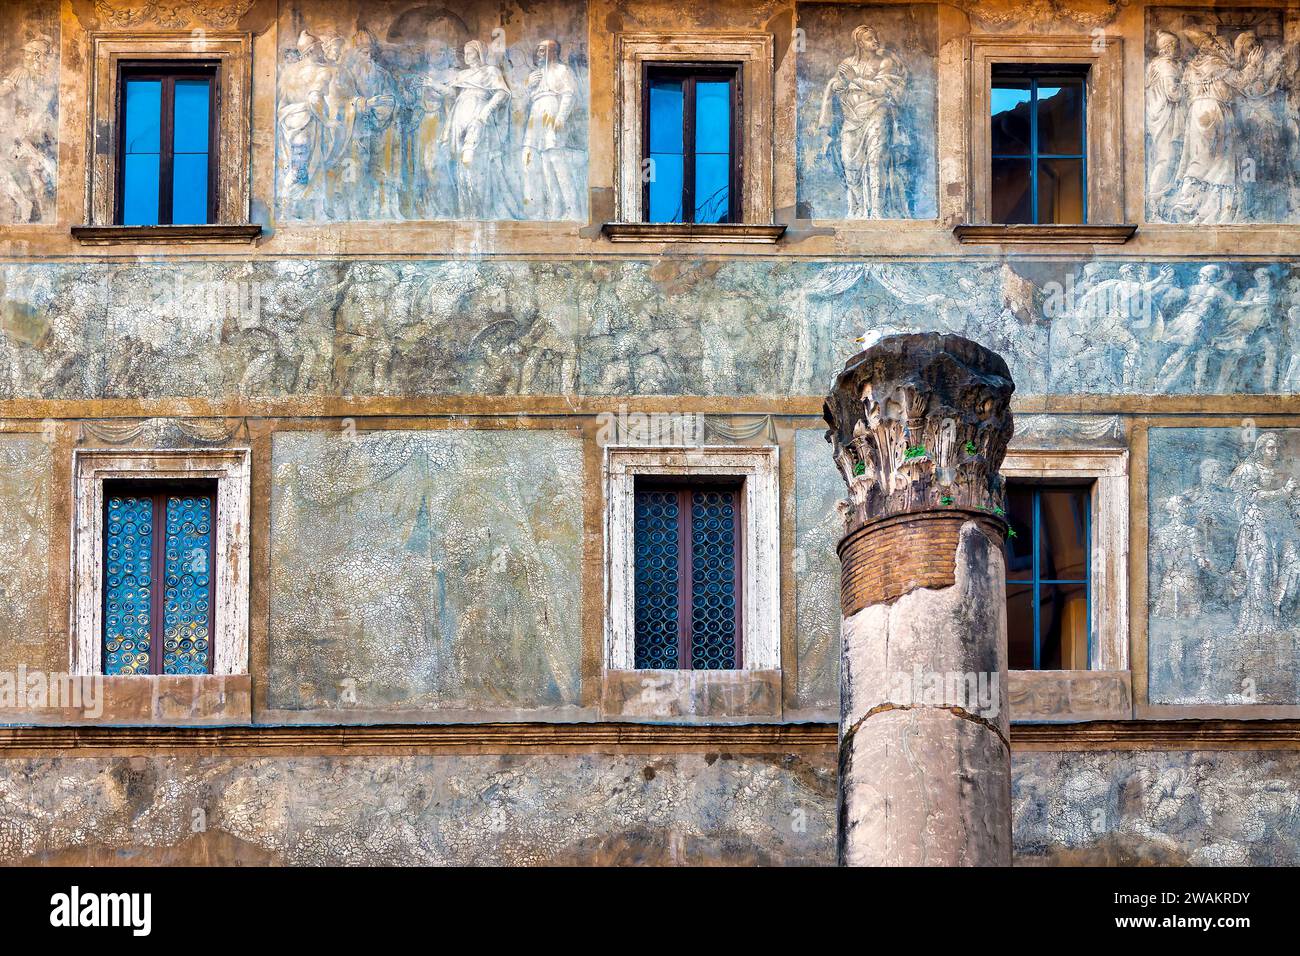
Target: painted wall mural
(867,112)
(513,810)
(425,569)
(1223,115)
(818,529)
(29,111)
(670,327)
(407,110)
(1169,809)
(26,469)
(1224,565)
(1203,808)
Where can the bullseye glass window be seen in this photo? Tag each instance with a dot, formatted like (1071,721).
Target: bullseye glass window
(688,566)
(159,610)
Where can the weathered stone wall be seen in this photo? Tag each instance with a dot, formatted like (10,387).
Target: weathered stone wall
(424,350)
(1202,808)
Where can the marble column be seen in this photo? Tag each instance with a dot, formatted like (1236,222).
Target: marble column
(920,425)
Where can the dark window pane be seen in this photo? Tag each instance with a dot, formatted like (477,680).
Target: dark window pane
(191,116)
(190,188)
(1063,534)
(140,190)
(1063,626)
(712,187)
(712,116)
(1060,191)
(665,116)
(666,176)
(1060,117)
(713,580)
(143,116)
(655,544)
(1020,626)
(1010,116)
(1010,190)
(1020,547)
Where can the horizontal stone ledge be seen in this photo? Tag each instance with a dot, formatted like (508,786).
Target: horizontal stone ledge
(610,736)
(181,235)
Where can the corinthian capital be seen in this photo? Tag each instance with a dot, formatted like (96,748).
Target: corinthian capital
(918,423)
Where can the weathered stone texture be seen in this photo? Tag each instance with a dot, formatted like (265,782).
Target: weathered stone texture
(818,527)
(426,569)
(672,327)
(26,471)
(521,810)
(1122,809)
(1224,565)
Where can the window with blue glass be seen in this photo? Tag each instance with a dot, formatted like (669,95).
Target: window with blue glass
(687,576)
(692,146)
(1049,594)
(1039,145)
(159,612)
(166,150)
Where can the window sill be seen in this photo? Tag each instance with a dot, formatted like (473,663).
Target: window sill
(149,700)
(692,232)
(1068,696)
(214,232)
(1099,234)
(689,696)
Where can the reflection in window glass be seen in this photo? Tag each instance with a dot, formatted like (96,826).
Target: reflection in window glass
(1037,139)
(690,145)
(1048,574)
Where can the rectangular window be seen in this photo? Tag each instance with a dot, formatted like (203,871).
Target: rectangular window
(167,132)
(1039,149)
(159,552)
(692,145)
(688,567)
(1049,593)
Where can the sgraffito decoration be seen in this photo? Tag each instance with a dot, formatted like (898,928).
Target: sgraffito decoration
(867,112)
(29,111)
(408,110)
(1222,94)
(1224,565)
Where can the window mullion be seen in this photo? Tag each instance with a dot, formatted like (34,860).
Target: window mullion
(688,149)
(166,146)
(1037,500)
(157,629)
(685,561)
(1033,193)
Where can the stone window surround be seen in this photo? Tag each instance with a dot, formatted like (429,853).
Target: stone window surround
(233,52)
(231,469)
(1075,695)
(754,53)
(758,466)
(1105,125)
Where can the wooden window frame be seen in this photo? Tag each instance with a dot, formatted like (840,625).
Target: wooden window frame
(158,492)
(1103,58)
(757,467)
(684,488)
(233,54)
(229,468)
(1035,580)
(633,52)
(1034,73)
(689,73)
(168,72)
(1105,690)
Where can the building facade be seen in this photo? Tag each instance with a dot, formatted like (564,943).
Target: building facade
(406,376)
